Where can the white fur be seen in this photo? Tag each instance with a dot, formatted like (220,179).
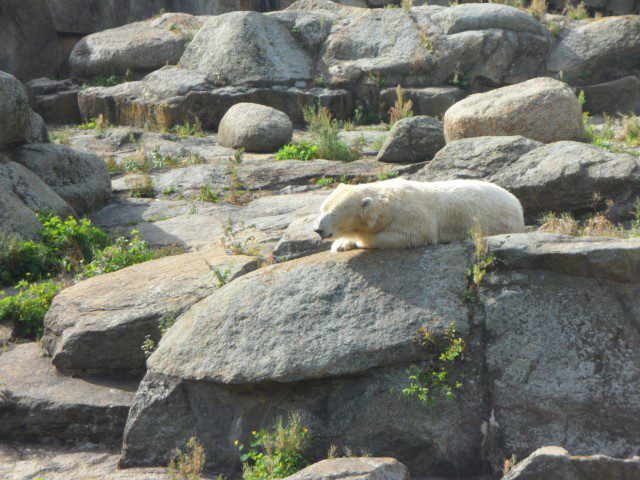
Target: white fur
(402,214)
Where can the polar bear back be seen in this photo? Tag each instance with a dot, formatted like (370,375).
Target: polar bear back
(445,211)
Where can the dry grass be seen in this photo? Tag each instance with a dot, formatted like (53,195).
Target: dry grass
(538,9)
(598,224)
(401,109)
(188,465)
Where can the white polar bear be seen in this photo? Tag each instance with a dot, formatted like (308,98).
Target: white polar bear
(402,214)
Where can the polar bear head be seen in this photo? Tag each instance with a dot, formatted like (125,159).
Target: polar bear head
(347,211)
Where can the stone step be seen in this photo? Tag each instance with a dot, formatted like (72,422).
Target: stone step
(39,404)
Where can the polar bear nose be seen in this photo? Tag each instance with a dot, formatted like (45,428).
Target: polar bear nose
(319,231)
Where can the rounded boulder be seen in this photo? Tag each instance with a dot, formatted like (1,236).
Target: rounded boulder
(256,128)
(15,116)
(541,109)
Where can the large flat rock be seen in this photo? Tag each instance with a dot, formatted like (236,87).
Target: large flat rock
(37,403)
(354,314)
(100,324)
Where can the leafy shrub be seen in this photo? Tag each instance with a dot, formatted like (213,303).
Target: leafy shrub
(65,244)
(325,130)
(277,453)
(434,378)
(28,308)
(123,253)
(325,181)
(303,150)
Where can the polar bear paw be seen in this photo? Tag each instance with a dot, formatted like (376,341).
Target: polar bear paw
(342,245)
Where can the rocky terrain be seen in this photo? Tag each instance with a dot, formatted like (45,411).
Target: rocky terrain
(167,312)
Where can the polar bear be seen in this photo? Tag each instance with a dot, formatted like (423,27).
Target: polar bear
(400,213)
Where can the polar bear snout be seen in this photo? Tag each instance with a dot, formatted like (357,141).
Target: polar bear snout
(323,228)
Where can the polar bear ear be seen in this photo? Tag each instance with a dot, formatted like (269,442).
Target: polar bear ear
(369,214)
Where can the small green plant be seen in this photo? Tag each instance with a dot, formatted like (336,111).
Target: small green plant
(149,345)
(553,27)
(188,129)
(169,191)
(458,80)
(208,194)
(401,109)
(238,156)
(586,74)
(28,308)
(141,186)
(484,260)
(434,378)
(123,253)
(221,275)
(275,453)
(101,81)
(188,465)
(509,463)
(388,175)
(376,78)
(325,181)
(303,150)
(407,5)
(62,137)
(234,245)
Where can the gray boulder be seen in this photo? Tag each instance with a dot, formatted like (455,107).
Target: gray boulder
(80,178)
(16,219)
(37,131)
(31,190)
(250,49)
(256,128)
(555,463)
(139,47)
(413,140)
(15,116)
(479,158)
(617,96)
(29,46)
(358,322)
(355,468)
(56,101)
(574,381)
(429,101)
(100,324)
(542,109)
(82,17)
(598,49)
(560,176)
